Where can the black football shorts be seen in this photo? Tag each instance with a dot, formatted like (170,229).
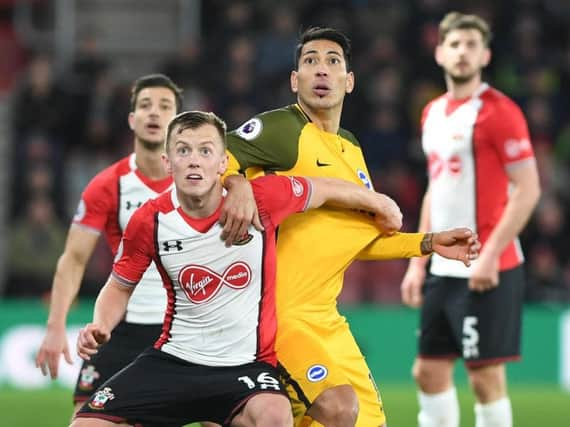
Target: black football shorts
(482,328)
(128,340)
(161,390)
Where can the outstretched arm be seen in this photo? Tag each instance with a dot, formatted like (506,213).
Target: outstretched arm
(110,308)
(460,244)
(66,283)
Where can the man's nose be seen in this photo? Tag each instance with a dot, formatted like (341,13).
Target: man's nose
(322,69)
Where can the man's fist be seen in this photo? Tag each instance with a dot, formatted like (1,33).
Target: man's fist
(459,243)
(90,338)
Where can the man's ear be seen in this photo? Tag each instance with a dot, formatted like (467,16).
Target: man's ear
(223,165)
(486,57)
(349,82)
(131,120)
(294,82)
(438,55)
(166,163)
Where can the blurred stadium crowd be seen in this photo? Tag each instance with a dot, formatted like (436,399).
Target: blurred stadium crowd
(68,120)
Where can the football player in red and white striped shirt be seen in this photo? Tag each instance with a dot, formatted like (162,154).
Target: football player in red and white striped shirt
(105,208)
(482,174)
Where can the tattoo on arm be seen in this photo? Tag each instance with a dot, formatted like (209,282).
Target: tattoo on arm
(426,244)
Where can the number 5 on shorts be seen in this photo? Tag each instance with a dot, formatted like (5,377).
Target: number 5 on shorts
(470,337)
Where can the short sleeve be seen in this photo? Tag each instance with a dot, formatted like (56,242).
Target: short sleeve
(136,249)
(98,202)
(268,141)
(280,196)
(509,133)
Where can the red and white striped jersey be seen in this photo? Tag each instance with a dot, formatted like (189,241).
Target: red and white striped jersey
(106,206)
(469,144)
(221,301)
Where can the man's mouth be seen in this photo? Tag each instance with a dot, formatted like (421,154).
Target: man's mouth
(321,90)
(153,126)
(194,176)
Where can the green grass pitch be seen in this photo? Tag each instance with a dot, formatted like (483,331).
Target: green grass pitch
(533,406)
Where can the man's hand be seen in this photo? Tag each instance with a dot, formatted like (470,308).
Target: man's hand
(459,243)
(53,345)
(412,285)
(485,274)
(389,216)
(239,210)
(90,338)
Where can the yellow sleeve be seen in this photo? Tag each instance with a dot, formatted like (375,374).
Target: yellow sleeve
(399,245)
(233,166)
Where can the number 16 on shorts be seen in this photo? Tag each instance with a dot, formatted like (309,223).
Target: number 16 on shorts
(264,381)
(470,337)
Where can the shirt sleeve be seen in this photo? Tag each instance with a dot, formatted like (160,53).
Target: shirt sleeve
(98,203)
(280,196)
(399,245)
(136,249)
(267,142)
(509,134)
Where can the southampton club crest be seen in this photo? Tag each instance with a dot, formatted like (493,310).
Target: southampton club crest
(88,377)
(101,397)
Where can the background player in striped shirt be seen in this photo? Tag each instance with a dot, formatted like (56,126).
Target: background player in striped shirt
(482,174)
(106,206)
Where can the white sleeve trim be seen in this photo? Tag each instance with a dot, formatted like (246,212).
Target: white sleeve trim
(123,281)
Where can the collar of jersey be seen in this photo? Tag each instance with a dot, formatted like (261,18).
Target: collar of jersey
(201,225)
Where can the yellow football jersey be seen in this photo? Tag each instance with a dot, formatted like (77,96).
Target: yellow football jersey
(314,344)
(316,247)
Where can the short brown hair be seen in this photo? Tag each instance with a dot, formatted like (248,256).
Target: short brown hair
(460,21)
(193,120)
(155,80)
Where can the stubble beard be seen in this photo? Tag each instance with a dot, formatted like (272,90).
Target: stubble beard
(151,145)
(462,79)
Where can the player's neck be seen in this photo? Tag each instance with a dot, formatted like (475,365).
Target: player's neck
(149,162)
(201,206)
(326,119)
(463,90)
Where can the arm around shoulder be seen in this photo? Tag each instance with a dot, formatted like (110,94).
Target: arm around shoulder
(341,193)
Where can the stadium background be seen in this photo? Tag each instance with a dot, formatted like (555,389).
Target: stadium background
(65,71)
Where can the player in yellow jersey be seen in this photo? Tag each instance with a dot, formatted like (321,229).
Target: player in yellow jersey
(328,380)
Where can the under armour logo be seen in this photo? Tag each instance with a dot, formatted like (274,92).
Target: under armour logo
(171,244)
(131,205)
